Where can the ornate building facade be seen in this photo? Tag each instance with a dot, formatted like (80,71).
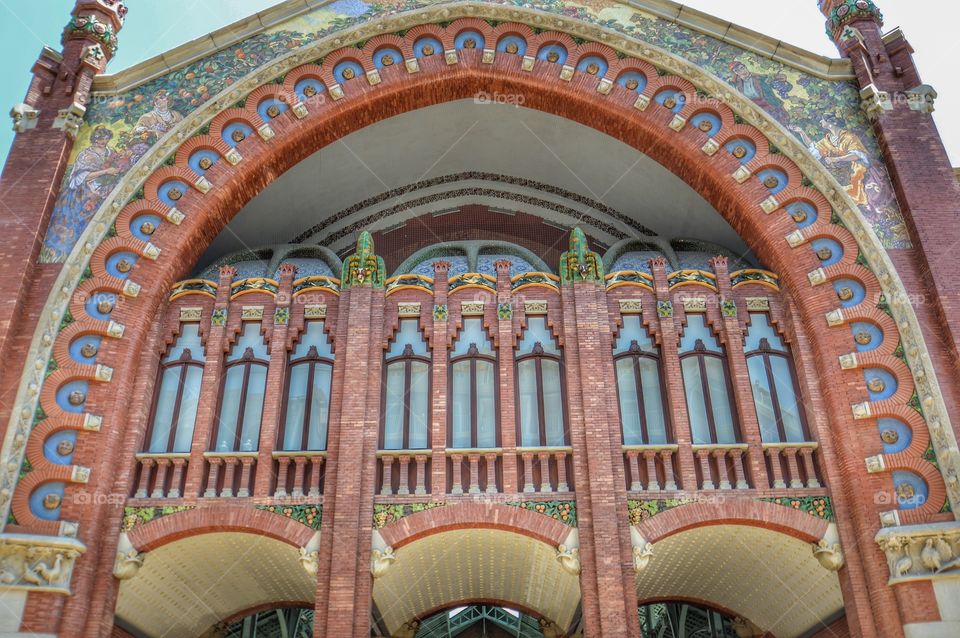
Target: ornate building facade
(429,318)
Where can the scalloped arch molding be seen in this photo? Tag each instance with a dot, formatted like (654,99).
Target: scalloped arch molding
(96,244)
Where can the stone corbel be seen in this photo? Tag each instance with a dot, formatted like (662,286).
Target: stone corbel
(24,117)
(70,119)
(310,556)
(128,561)
(922,98)
(921,552)
(827,550)
(38,563)
(382,556)
(874,101)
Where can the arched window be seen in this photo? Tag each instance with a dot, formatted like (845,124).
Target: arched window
(639,386)
(309,378)
(473,388)
(540,402)
(177,394)
(406,390)
(241,398)
(775,392)
(706,383)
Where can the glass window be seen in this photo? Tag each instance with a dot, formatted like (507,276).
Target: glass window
(540,396)
(406,390)
(637,364)
(309,384)
(706,384)
(241,400)
(774,384)
(473,388)
(177,394)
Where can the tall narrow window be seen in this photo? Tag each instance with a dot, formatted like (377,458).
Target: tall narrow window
(309,377)
(473,388)
(540,401)
(637,361)
(177,394)
(406,388)
(241,400)
(774,384)
(706,383)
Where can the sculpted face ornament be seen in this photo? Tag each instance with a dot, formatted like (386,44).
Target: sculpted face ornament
(349,73)
(88,350)
(65,447)
(632,84)
(876,385)
(124,266)
(906,491)
(429,50)
(104,306)
(175,193)
(593,68)
(387,60)
(273,110)
(361,274)
(771,182)
(799,215)
(890,436)
(469,43)
(205,163)
(511,47)
(739,151)
(845,293)
(147,228)
(309,90)
(670,102)
(52,501)
(238,135)
(863,338)
(705,126)
(553,56)
(824,254)
(76,397)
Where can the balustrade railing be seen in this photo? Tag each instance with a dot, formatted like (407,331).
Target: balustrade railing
(721,466)
(474,471)
(650,468)
(545,469)
(403,472)
(229,474)
(299,473)
(791,465)
(161,475)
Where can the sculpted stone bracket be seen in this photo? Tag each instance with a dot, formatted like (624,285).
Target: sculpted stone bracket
(70,275)
(921,552)
(37,563)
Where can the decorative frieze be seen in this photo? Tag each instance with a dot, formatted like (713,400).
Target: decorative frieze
(631,306)
(921,552)
(758,304)
(409,309)
(251,313)
(471,308)
(37,563)
(191,314)
(535,307)
(315,311)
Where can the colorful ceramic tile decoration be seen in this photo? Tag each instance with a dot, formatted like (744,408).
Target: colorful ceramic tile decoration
(825,115)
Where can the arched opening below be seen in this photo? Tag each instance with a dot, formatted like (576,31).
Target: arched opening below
(191,586)
(458,568)
(770,579)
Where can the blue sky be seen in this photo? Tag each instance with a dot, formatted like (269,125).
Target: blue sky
(154,26)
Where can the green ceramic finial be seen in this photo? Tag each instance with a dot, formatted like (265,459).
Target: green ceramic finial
(364,267)
(579,263)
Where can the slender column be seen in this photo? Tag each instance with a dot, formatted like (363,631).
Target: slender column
(791,454)
(704,458)
(178,468)
(722,473)
(162,465)
(283,469)
(146,465)
(246,470)
(544,458)
(636,484)
(809,468)
(673,376)
(561,459)
(210,386)
(456,466)
(386,488)
(737,456)
(421,469)
(528,472)
(316,465)
(276,378)
(300,464)
(229,473)
(653,485)
(739,374)
(404,487)
(491,460)
(667,457)
(505,341)
(439,382)
(775,470)
(212,479)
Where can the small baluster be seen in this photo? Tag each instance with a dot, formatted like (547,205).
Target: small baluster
(491,473)
(179,466)
(669,482)
(282,474)
(246,476)
(456,463)
(386,489)
(474,460)
(158,483)
(777,471)
(722,474)
(229,471)
(404,488)
(807,455)
(528,472)
(316,465)
(707,483)
(421,471)
(300,463)
(737,456)
(653,485)
(212,477)
(791,454)
(145,468)
(545,485)
(634,464)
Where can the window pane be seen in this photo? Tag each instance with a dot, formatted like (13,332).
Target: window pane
(253,409)
(629,407)
(763,400)
(394,408)
(189,339)
(419,391)
(631,331)
(166,403)
(760,328)
(652,400)
(553,403)
(320,407)
(472,332)
(249,338)
(188,409)
(296,406)
(460,404)
(786,396)
(697,329)
(720,401)
(229,409)
(528,401)
(408,333)
(696,403)
(537,332)
(313,335)
(486,405)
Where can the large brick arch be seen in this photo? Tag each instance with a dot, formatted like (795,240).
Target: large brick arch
(229,518)
(778,518)
(472,516)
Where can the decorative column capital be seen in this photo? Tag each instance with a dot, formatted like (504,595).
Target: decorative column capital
(97,22)
(579,263)
(364,267)
(841,13)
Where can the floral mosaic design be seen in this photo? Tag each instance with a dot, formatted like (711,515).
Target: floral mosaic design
(383,515)
(819,506)
(563,511)
(309,515)
(825,115)
(639,511)
(134,517)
